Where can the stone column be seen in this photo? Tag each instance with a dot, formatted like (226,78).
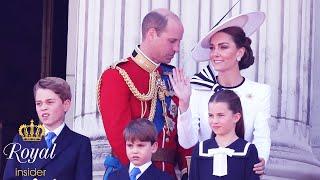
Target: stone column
(84,65)
(315,84)
(287,70)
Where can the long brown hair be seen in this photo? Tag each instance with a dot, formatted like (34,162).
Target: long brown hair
(234,104)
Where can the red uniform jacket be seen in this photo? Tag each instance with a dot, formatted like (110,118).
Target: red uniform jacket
(118,106)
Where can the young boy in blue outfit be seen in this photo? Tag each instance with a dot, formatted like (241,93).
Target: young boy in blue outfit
(71,156)
(141,142)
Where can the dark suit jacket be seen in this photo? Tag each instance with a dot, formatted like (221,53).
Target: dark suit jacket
(150,173)
(72,160)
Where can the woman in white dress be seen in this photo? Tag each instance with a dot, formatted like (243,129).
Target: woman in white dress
(227,47)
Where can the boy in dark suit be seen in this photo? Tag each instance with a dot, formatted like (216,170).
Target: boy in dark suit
(70,153)
(141,142)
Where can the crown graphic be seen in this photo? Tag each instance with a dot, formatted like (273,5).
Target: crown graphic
(31,132)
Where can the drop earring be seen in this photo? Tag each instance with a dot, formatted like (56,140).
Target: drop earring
(238,58)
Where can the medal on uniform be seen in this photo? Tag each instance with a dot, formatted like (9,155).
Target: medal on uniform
(173,109)
(170,123)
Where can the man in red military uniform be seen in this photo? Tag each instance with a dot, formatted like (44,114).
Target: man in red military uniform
(139,86)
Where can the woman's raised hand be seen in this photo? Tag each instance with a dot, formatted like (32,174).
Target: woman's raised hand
(182,88)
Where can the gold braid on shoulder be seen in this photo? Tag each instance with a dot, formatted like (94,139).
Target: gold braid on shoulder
(156,87)
(100,81)
(98,93)
(151,95)
(134,90)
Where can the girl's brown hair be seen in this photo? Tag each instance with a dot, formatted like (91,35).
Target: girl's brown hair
(234,104)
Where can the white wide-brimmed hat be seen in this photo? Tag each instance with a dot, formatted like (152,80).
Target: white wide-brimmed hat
(249,22)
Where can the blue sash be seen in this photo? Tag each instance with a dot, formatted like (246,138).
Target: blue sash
(158,117)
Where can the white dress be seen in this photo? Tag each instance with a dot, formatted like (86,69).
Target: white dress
(193,124)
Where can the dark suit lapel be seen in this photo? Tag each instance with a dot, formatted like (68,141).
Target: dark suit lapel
(63,141)
(149,173)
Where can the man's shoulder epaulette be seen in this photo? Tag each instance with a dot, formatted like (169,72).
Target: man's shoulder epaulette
(119,62)
(113,66)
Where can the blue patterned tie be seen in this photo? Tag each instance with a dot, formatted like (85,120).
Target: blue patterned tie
(134,172)
(49,138)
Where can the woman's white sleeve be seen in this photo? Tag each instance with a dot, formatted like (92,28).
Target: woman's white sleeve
(188,124)
(261,132)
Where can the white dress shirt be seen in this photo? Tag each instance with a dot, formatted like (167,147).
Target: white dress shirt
(56,131)
(142,168)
